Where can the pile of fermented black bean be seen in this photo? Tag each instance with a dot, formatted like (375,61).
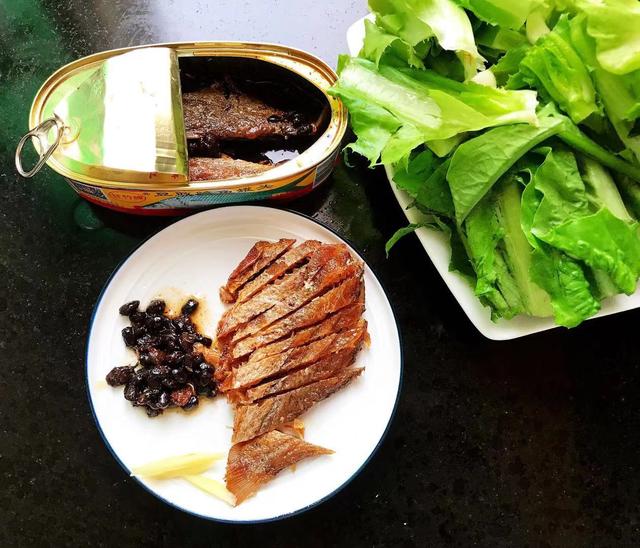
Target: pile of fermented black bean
(171,370)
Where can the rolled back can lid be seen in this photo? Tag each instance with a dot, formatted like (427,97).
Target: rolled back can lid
(123,119)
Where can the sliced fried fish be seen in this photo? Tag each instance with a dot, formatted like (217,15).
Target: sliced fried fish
(327,266)
(268,414)
(221,169)
(254,371)
(261,255)
(253,463)
(288,261)
(322,369)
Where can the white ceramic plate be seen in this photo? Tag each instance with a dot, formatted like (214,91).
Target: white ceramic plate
(194,257)
(438,250)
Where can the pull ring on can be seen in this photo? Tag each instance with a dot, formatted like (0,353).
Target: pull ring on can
(45,150)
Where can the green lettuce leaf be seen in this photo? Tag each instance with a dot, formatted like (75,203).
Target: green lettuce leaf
(564,220)
(424,179)
(504,13)
(620,94)
(495,285)
(555,69)
(562,277)
(447,22)
(615,27)
(401,233)
(380,45)
(479,162)
(408,107)
(564,280)
(580,142)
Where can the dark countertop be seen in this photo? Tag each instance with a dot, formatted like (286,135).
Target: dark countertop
(533,442)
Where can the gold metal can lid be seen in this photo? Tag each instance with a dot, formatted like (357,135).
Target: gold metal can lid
(123,119)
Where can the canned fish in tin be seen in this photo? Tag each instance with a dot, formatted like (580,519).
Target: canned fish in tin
(165,128)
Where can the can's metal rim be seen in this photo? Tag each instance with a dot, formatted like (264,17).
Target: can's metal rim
(269,52)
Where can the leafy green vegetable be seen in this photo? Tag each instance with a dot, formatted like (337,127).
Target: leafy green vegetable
(620,94)
(495,284)
(602,190)
(615,27)
(539,207)
(500,39)
(417,106)
(562,278)
(505,13)
(554,68)
(379,45)
(565,221)
(399,234)
(478,163)
(576,139)
(424,179)
(445,20)
(565,281)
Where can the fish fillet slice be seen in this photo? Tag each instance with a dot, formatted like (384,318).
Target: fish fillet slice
(286,262)
(327,266)
(322,369)
(271,413)
(261,255)
(254,371)
(343,319)
(318,309)
(253,463)
(220,169)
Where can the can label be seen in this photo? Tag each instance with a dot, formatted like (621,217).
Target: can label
(149,201)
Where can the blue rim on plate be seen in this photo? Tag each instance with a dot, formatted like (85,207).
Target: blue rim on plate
(282,516)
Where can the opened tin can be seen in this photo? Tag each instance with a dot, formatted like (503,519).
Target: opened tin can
(165,128)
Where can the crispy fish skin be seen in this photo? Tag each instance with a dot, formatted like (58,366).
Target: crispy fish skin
(221,169)
(252,463)
(284,263)
(327,266)
(322,369)
(343,319)
(268,414)
(317,310)
(254,371)
(260,256)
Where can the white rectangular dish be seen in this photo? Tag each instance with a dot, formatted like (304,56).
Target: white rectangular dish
(437,247)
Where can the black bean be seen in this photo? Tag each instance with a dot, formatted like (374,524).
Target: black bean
(156,307)
(189,307)
(129,308)
(169,342)
(170,372)
(205,341)
(180,375)
(137,318)
(274,118)
(174,358)
(129,336)
(145,359)
(163,400)
(170,382)
(154,324)
(187,341)
(130,391)
(193,402)
(119,375)
(140,376)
